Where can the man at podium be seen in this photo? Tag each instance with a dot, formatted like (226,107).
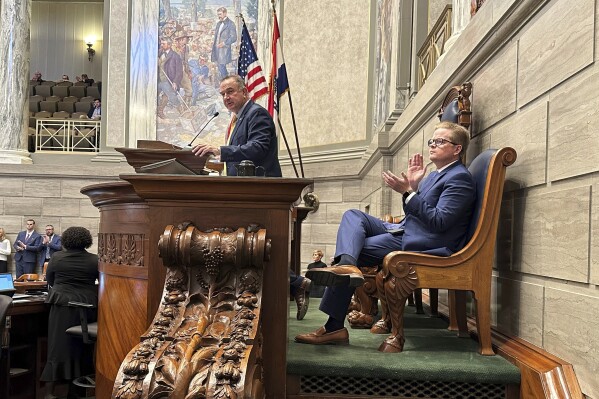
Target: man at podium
(251,134)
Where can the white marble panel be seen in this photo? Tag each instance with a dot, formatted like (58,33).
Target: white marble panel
(61,207)
(336,211)
(24,206)
(520,309)
(143,71)
(573,144)
(551,234)
(41,188)
(495,89)
(572,333)
(526,132)
(117,80)
(557,44)
(15,20)
(11,186)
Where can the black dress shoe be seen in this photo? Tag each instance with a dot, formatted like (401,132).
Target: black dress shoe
(338,275)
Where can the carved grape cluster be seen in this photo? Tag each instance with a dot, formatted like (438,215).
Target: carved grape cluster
(213,260)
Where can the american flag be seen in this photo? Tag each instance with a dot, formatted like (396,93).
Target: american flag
(249,68)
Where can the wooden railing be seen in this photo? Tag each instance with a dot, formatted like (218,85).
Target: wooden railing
(433,46)
(67,135)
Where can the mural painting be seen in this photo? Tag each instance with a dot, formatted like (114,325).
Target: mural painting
(198,46)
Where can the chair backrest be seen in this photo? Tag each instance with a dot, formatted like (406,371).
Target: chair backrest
(5,302)
(77,91)
(456,105)
(70,99)
(488,172)
(43,90)
(61,115)
(93,92)
(66,106)
(83,107)
(86,99)
(60,91)
(43,114)
(79,115)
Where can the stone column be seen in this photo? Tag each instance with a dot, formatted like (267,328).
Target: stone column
(460,16)
(15,21)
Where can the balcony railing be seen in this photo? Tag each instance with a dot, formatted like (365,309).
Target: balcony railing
(67,135)
(433,46)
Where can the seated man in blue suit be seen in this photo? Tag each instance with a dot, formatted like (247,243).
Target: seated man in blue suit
(437,210)
(27,245)
(251,135)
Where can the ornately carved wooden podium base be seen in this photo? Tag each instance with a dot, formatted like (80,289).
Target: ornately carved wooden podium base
(218,327)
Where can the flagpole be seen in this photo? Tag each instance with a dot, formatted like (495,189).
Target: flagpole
(287,145)
(299,153)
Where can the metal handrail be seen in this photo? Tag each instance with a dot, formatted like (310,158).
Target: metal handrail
(67,135)
(433,46)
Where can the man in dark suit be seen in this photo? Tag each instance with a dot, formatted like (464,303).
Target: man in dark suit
(437,211)
(225,34)
(170,76)
(252,132)
(27,245)
(50,243)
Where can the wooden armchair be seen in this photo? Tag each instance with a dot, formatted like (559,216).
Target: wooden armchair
(467,270)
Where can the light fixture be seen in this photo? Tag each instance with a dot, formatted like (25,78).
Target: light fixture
(90,51)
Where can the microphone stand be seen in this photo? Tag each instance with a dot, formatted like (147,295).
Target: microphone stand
(202,129)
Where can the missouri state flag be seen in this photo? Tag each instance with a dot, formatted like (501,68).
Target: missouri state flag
(249,68)
(278,75)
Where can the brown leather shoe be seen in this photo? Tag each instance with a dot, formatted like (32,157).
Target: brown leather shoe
(302,298)
(322,337)
(347,275)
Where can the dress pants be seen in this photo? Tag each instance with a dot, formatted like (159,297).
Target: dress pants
(24,268)
(295,281)
(366,239)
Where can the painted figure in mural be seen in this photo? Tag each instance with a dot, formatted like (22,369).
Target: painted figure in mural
(181,47)
(170,76)
(200,79)
(225,34)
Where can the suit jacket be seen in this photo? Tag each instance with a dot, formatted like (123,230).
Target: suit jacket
(222,55)
(254,138)
(90,113)
(173,67)
(33,247)
(55,244)
(72,275)
(438,215)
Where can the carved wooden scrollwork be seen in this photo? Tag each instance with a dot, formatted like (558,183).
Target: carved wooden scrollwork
(204,337)
(395,283)
(122,249)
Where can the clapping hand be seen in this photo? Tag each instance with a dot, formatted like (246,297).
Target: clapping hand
(416,171)
(397,183)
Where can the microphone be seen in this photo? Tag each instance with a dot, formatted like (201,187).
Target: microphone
(202,129)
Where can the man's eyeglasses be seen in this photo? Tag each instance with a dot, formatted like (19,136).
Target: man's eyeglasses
(439,142)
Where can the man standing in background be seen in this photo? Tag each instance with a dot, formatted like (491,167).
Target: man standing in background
(27,245)
(50,243)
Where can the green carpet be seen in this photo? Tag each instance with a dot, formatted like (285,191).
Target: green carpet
(431,353)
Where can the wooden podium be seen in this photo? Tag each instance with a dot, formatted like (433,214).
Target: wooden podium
(134,214)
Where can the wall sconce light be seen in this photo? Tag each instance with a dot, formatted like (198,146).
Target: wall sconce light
(90,51)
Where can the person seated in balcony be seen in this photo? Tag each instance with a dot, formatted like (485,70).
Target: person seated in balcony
(85,79)
(437,210)
(95,112)
(65,78)
(37,77)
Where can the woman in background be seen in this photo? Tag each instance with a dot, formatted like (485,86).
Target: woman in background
(4,251)
(71,276)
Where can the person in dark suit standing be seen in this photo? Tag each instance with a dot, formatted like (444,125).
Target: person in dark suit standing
(225,34)
(27,245)
(252,132)
(71,276)
(437,210)
(51,243)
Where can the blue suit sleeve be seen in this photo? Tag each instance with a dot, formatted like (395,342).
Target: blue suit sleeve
(457,197)
(261,130)
(57,246)
(36,245)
